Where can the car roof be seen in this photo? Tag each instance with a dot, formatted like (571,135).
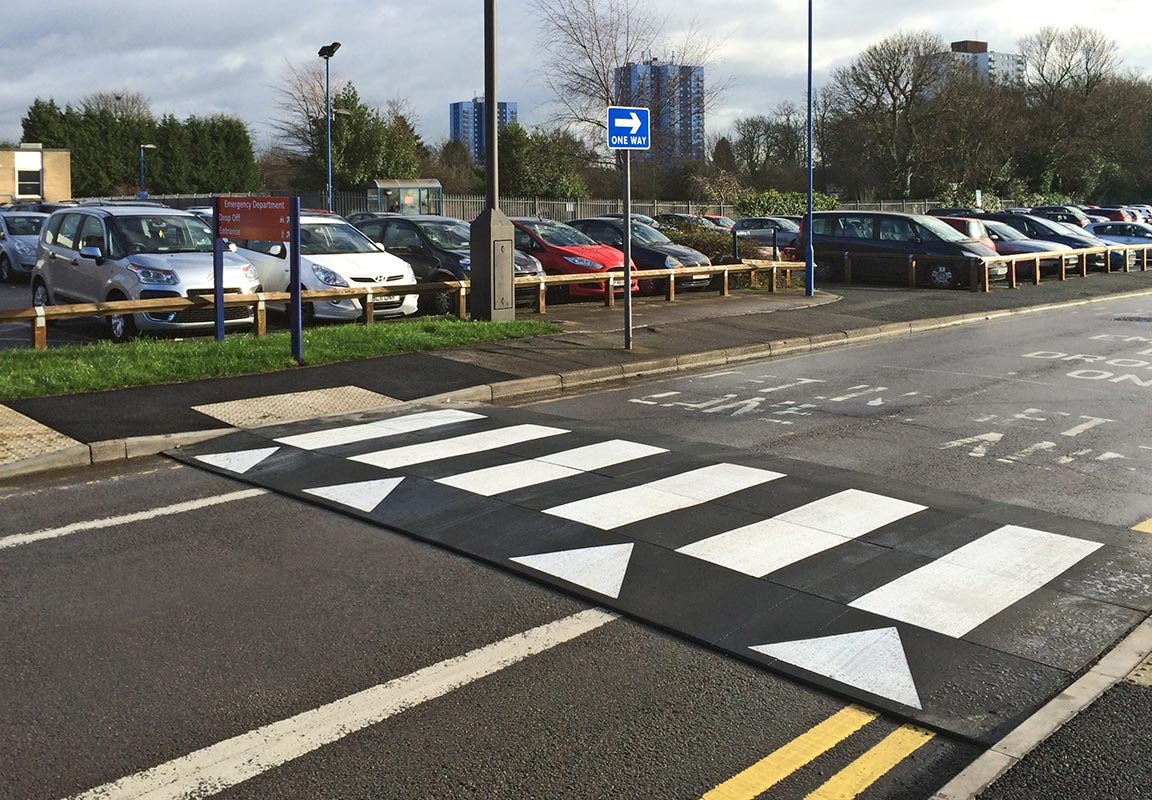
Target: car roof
(125,210)
(11,213)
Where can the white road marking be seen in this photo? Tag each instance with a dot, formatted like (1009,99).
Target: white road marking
(457,446)
(125,519)
(240,461)
(600,569)
(625,506)
(378,430)
(215,768)
(508,477)
(1091,423)
(870,660)
(363,495)
(967,587)
(854,393)
(764,547)
(963,374)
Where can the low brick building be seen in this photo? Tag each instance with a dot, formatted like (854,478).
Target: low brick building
(31,172)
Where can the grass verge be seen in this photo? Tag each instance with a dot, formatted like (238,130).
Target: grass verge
(70,370)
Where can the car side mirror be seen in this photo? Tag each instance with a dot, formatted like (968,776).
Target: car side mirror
(276,250)
(380,246)
(92,253)
(231,247)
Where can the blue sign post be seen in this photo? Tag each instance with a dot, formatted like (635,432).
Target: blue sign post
(628,130)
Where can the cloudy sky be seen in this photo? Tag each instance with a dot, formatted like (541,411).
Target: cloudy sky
(214,56)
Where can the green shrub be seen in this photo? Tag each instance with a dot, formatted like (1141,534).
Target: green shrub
(774,204)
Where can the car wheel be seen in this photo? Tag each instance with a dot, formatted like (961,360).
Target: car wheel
(121,327)
(40,296)
(942,276)
(649,286)
(6,274)
(439,303)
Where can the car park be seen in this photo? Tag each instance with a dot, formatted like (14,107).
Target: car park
(686,221)
(563,250)
(93,254)
(19,236)
(333,254)
(438,249)
(879,245)
(1051,231)
(650,250)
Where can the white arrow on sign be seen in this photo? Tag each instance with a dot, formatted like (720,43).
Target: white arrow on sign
(631,120)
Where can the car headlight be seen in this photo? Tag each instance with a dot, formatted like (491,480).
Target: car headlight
(328,277)
(250,273)
(466,263)
(672,262)
(164,277)
(583,262)
(24,249)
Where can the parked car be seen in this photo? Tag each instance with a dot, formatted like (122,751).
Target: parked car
(641,218)
(438,249)
(650,250)
(954,212)
(206,213)
(1010,242)
(333,254)
(39,206)
(686,221)
(720,221)
(360,216)
(93,254)
(1122,232)
(563,250)
(880,242)
(1062,214)
(1115,213)
(972,228)
(19,235)
(1051,231)
(765,229)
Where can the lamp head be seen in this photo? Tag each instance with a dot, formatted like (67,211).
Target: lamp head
(329,50)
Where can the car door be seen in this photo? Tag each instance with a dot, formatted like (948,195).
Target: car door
(58,269)
(270,260)
(90,275)
(402,240)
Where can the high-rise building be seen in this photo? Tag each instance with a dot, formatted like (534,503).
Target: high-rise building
(675,95)
(466,123)
(987,64)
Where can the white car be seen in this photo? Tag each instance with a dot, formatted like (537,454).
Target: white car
(334,255)
(1122,232)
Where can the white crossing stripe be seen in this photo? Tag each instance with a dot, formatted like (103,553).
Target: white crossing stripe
(625,506)
(508,477)
(967,587)
(411,423)
(457,446)
(215,768)
(772,544)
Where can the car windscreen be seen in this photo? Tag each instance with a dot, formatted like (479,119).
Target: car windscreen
(328,238)
(448,235)
(942,230)
(24,225)
(159,233)
(1005,232)
(648,235)
(727,222)
(558,234)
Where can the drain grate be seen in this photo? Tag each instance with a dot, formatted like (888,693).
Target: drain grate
(1133,318)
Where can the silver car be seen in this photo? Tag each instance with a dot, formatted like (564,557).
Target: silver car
(19,233)
(92,254)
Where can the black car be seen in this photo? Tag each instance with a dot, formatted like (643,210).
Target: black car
(954,212)
(437,248)
(1048,230)
(879,244)
(650,250)
(686,221)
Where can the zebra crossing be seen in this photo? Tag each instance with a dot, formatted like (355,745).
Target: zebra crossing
(958,613)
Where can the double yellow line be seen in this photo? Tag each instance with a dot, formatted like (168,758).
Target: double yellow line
(844,785)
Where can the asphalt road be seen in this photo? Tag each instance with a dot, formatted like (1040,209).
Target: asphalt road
(132,643)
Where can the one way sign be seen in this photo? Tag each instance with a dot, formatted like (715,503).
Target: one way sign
(628,128)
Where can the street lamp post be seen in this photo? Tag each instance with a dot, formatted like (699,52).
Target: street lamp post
(809,255)
(142,195)
(326,52)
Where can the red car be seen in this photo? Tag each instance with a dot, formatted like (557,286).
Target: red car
(972,228)
(1115,213)
(563,250)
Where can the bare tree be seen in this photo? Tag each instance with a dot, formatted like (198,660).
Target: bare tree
(588,41)
(887,93)
(118,102)
(300,102)
(1078,58)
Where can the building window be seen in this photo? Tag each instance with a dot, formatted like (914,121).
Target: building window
(28,183)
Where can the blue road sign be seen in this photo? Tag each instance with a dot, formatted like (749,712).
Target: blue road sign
(628,128)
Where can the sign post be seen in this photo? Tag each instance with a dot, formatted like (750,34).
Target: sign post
(628,130)
(268,219)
